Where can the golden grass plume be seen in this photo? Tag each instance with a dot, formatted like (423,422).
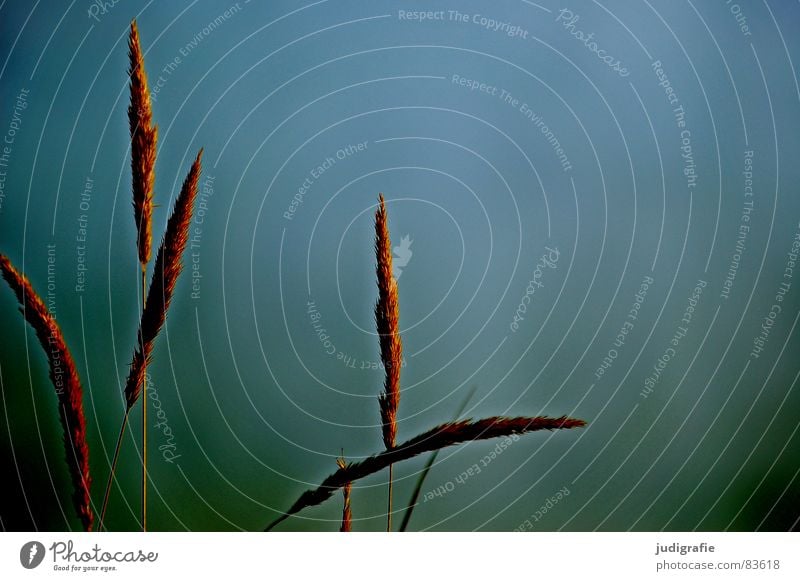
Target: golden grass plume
(442,436)
(67,384)
(387,320)
(143,147)
(167,269)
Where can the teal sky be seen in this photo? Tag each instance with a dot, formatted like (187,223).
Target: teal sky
(495,144)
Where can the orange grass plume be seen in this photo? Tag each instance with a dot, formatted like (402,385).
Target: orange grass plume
(67,384)
(144,136)
(387,320)
(167,269)
(437,438)
(347,515)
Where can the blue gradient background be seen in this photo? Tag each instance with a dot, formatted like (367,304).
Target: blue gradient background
(258,409)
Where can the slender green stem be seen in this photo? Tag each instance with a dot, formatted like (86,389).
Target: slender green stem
(144,416)
(113,468)
(389,509)
(424,474)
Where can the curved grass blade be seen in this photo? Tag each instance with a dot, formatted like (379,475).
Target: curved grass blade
(439,437)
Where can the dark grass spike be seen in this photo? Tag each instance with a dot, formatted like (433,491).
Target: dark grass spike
(387,322)
(439,437)
(67,384)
